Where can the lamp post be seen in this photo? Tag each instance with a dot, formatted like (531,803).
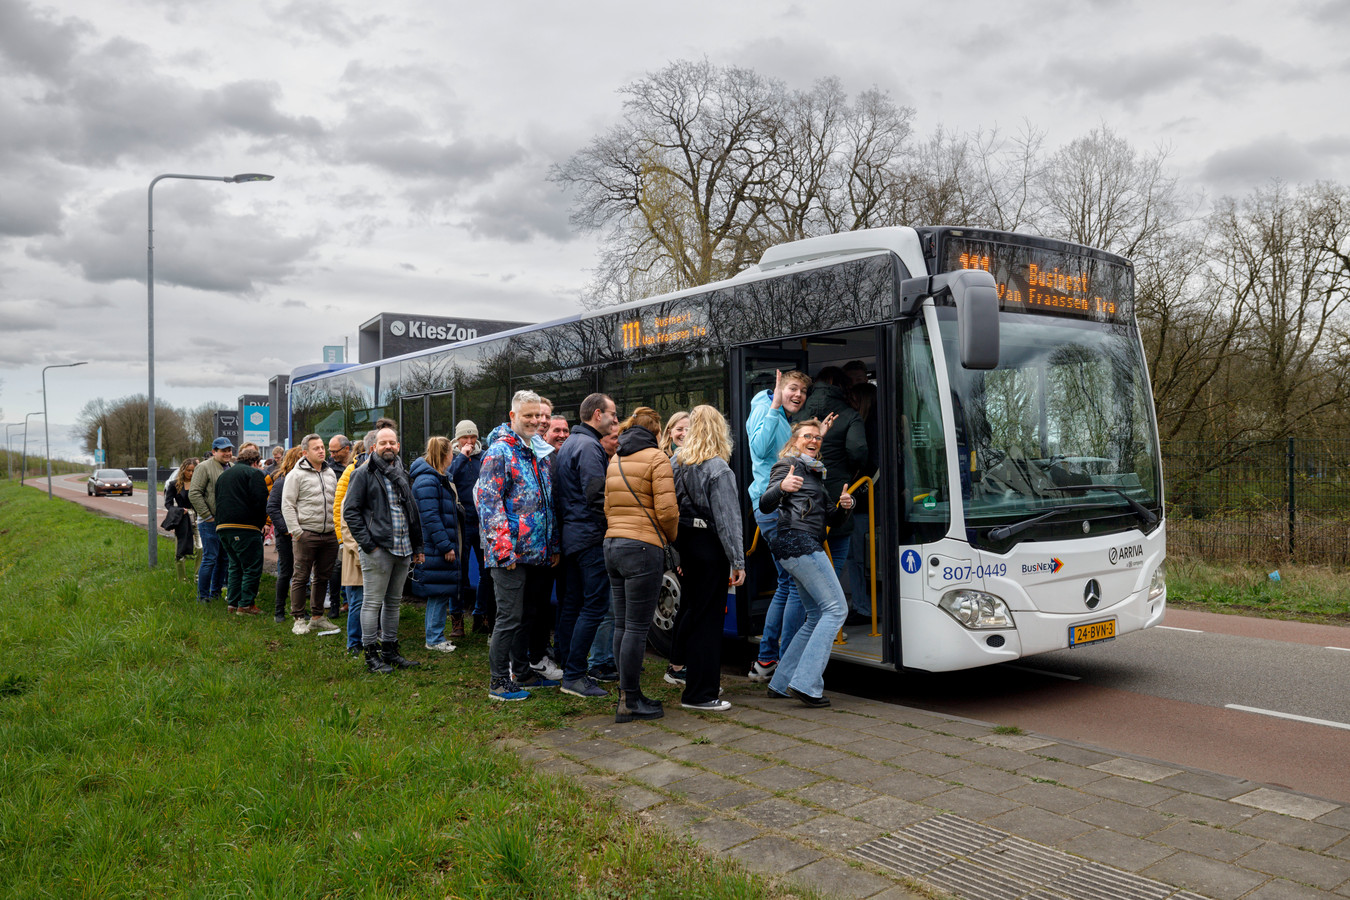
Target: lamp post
(151,466)
(9,452)
(23,464)
(46,432)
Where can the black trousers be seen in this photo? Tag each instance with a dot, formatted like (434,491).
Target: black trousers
(703,601)
(285,571)
(539,617)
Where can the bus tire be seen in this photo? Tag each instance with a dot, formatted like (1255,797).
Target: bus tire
(661,636)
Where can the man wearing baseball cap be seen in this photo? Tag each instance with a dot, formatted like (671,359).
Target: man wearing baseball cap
(202,495)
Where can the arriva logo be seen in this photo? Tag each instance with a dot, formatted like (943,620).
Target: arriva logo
(1053,566)
(427,331)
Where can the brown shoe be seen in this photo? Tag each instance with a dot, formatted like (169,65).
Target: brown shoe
(457,626)
(248,611)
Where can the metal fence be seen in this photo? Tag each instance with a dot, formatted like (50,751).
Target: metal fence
(1267,502)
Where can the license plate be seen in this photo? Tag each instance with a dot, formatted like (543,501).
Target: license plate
(1092,632)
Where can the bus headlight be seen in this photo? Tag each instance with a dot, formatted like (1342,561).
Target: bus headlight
(976,609)
(1158,586)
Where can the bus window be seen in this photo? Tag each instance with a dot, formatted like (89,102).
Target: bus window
(925,498)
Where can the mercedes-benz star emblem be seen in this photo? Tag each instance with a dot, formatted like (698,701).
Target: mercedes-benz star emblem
(1092,594)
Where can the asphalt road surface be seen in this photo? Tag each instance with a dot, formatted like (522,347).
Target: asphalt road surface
(1253,698)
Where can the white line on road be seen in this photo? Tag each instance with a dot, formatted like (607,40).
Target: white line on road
(1346,649)
(1284,715)
(1047,672)
(1174,628)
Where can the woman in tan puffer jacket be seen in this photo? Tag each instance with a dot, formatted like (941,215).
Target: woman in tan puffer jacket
(643,514)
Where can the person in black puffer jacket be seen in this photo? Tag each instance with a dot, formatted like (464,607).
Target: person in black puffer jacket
(805,511)
(437,579)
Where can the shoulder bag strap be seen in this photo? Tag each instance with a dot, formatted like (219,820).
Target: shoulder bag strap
(659,533)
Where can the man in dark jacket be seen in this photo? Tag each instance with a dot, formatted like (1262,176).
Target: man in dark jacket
(579,489)
(241,513)
(464,475)
(381,514)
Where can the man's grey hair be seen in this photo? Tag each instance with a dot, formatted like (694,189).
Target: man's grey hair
(370,439)
(304,442)
(521,398)
(343,443)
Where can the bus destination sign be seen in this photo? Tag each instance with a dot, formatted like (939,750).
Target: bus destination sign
(653,329)
(1049,282)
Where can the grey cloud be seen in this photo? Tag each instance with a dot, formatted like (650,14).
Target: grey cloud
(24,315)
(36,45)
(1273,156)
(32,201)
(520,211)
(327,22)
(1330,12)
(250,106)
(456,160)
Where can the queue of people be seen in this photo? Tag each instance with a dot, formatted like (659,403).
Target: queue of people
(597,513)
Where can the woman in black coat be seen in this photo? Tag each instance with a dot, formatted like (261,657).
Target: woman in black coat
(437,579)
(185,526)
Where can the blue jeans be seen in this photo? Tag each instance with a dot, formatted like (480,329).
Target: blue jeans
(602,648)
(785,613)
(353,595)
(437,607)
(839,549)
(581,608)
(802,666)
(211,573)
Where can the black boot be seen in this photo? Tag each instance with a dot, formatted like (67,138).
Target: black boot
(650,701)
(393,658)
(374,662)
(632,705)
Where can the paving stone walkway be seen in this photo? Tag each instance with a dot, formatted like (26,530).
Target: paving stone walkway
(866,799)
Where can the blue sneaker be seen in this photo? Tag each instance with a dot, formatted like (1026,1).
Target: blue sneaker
(534,680)
(506,689)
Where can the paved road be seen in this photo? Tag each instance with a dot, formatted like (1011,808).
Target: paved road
(1205,690)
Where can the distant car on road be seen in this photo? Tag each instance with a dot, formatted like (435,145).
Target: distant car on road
(109,481)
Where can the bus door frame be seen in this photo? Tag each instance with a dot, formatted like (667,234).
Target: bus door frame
(886,509)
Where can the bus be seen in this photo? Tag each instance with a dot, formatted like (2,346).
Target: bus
(1016,506)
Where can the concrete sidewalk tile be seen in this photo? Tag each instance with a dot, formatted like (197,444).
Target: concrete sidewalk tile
(704,786)
(915,718)
(1127,790)
(1119,850)
(623,760)
(761,742)
(836,795)
(1078,756)
(584,750)
(659,741)
(1022,742)
(985,778)
(718,834)
(1340,849)
(674,817)
(836,878)
(535,754)
(723,733)
(1066,774)
(1288,804)
(735,764)
(1338,818)
(807,756)
(562,737)
(772,855)
(1134,768)
(888,813)
(966,729)
(1124,818)
(752,716)
(1219,880)
(878,748)
(662,773)
(778,813)
(909,786)
(1220,787)
(1206,841)
(791,725)
(944,744)
(1298,865)
(971,803)
(782,778)
(999,758)
(829,736)
(854,770)
(695,753)
(930,763)
(560,766)
(600,720)
(837,833)
(1293,832)
(899,893)
(1038,825)
(1279,889)
(635,799)
(741,798)
(1206,809)
(1050,797)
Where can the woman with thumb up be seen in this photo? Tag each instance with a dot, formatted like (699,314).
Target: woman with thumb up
(805,512)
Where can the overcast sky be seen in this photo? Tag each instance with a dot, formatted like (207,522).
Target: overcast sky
(411,142)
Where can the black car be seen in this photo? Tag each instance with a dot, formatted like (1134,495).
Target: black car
(109,481)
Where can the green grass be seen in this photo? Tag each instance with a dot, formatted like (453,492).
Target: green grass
(151,747)
(1308,593)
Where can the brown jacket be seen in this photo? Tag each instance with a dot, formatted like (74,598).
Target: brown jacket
(648,471)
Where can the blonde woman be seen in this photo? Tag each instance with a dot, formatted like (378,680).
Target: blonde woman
(176,495)
(437,579)
(282,537)
(672,436)
(711,554)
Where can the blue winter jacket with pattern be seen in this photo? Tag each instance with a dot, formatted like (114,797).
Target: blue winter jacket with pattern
(514,495)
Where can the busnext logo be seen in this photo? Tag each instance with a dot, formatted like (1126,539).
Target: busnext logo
(1052,567)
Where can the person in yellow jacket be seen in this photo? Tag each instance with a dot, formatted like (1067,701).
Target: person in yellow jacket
(349,552)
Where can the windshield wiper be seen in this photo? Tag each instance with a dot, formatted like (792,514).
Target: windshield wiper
(1004,532)
(1146,515)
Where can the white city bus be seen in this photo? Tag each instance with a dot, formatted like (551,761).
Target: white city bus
(1016,501)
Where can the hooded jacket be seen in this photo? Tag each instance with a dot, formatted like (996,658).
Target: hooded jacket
(438,509)
(464,473)
(630,513)
(514,496)
(579,485)
(766,431)
(307,498)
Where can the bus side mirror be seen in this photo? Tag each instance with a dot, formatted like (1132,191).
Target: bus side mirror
(976,299)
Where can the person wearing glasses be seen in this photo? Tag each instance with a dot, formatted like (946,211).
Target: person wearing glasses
(797,493)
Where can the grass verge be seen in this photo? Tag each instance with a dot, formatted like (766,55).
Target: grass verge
(1305,593)
(153,747)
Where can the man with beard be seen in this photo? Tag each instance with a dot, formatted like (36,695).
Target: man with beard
(381,515)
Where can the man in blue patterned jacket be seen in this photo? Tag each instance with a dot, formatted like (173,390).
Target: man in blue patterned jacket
(519,532)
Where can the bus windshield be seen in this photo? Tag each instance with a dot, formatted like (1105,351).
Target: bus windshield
(1065,420)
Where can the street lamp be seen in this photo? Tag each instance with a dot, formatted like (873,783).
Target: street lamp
(23,464)
(9,452)
(151,466)
(46,432)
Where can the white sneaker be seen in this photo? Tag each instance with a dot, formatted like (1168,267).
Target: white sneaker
(762,673)
(301,626)
(710,706)
(322,623)
(548,668)
(443,646)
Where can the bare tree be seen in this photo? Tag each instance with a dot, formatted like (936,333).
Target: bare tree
(125,429)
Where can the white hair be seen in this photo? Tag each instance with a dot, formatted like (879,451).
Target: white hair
(521,398)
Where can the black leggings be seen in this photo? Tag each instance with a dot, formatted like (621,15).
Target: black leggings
(285,572)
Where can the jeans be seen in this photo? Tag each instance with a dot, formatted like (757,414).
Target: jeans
(243,550)
(602,648)
(285,571)
(211,572)
(785,613)
(803,665)
(585,598)
(635,569)
(507,650)
(353,594)
(839,547)
(437,607)
(382,577)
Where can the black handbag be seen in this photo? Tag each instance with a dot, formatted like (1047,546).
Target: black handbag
(172,516)
(669,553)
